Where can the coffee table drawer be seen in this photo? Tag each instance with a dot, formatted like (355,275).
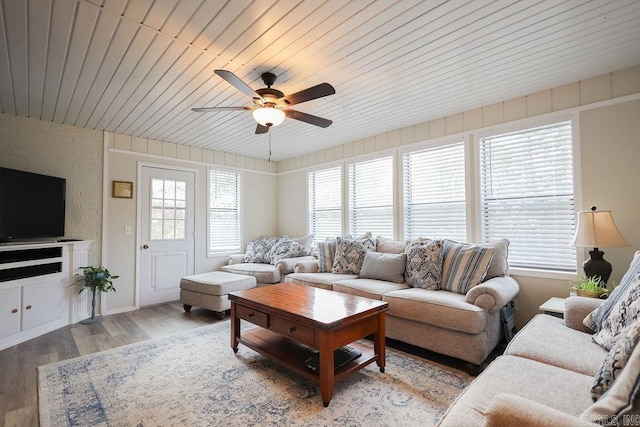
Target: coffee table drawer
(295,330)
(254,316)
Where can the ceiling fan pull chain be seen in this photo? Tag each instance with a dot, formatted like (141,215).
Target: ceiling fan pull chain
(270,146)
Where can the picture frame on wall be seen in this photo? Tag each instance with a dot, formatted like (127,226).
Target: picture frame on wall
(122,189)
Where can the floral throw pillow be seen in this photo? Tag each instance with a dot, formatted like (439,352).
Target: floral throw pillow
(286,248)
(350,254)
(624,312)
(424,264)
(258,250)
(616,360)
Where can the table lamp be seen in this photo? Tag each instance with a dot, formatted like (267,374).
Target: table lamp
(597,229)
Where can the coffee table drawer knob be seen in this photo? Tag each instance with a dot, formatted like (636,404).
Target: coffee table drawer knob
(292,329)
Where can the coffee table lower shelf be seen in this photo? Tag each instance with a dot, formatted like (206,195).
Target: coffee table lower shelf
(293,355)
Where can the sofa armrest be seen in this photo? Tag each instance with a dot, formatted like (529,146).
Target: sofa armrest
(493,294)
(235,259)
(507,410)
(310,266)
(287,265)
(576,309)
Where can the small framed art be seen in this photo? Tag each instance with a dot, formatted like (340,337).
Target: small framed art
(122,189)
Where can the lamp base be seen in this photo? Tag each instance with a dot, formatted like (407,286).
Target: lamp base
(596,265)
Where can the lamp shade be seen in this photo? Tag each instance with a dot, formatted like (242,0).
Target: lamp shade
(597,229)
(268,116)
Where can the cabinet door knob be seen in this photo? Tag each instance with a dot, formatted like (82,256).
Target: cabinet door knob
(14,311)
(28,307)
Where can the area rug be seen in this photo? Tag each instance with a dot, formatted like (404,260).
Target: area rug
(194,378)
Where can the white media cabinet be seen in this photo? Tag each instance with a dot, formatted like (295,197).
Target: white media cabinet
(35,296)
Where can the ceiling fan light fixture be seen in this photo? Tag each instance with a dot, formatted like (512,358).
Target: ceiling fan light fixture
(268,116)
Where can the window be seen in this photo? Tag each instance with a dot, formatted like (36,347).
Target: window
(527,195)
(325,203)
(224,211)
(371,197)
(168,209)
(434,193)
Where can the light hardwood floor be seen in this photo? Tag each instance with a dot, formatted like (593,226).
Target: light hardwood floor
(18,377)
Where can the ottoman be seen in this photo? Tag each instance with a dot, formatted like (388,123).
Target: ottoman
(209,290)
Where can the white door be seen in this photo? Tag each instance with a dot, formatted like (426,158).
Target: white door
(166,232)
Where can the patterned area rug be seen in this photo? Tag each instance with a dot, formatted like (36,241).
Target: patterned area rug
(194,378)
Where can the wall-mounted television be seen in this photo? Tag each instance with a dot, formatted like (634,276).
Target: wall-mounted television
(32,206)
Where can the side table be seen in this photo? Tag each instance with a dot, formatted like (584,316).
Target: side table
(554,307)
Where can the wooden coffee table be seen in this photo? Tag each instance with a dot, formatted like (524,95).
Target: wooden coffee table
(294,320)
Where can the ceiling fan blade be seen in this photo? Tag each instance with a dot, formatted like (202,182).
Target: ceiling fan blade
(262,129)
(308,118)
(209,109)
(318,91)
(235,81)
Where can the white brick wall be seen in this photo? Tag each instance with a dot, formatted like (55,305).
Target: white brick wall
(64,151)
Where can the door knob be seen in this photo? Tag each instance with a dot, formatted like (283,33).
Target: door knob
(145,246)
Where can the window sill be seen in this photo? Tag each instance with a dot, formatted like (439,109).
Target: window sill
(543,274)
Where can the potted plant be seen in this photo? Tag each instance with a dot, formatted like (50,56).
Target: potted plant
(592,287)
(98,279)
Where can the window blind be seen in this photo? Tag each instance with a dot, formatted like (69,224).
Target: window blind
(527,195)
(371,197)
(434,193)
(224,211)
(325,203)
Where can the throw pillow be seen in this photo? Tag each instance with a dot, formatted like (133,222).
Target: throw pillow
(305,242)
(623,313)
(350,254)
(424,264)
(258,250)
(499,265)
(326,254)
(621,399)
(617,358)
(464,265)
(285,248)
(390,246)
(595,319)
(383,266)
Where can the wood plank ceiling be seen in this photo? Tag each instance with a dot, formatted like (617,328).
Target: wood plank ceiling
(137,67)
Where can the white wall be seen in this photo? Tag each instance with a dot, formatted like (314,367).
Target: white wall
(609,143)
(67,152)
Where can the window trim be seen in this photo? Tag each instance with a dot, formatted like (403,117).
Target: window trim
(209,252)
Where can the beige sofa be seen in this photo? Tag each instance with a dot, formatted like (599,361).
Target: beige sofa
(547,372)
(465,326)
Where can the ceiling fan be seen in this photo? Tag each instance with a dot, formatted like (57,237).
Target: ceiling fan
(270,106)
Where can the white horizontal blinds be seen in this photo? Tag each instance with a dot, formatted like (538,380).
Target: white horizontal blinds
(371,197)
(224,211)
(325,203)
(527,195)
(434,193)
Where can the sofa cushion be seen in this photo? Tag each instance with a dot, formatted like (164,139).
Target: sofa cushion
(464,265)
(317,280)
(424,264)
(622,315)
(285,248)
(264,273)
(326,254)
(616,360)
(446,310)
(258,250)
(542,338)
(499,265)
(596,318)
(368,288)
(623,398)
(350,254)
(389,246)
(384,266)
(521,377)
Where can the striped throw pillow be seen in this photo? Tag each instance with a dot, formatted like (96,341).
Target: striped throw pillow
(326,254)
(464,265)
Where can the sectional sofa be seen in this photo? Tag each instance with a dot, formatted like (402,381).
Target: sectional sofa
(554,373)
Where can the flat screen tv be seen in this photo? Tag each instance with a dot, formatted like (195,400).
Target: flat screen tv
(31,206)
